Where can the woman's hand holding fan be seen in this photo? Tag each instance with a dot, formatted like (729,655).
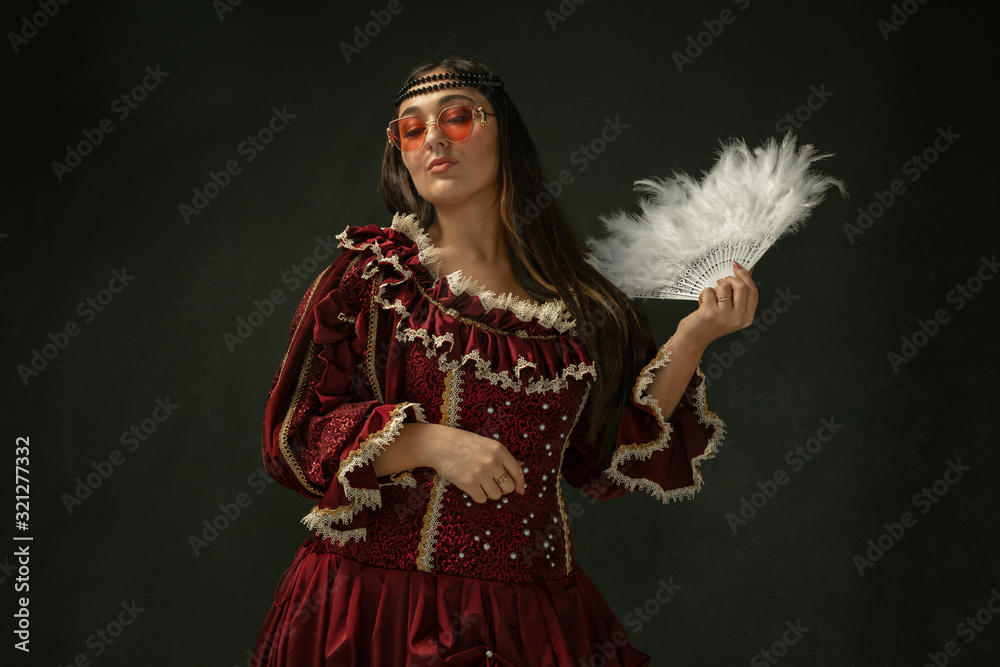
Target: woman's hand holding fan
(689,232)
(728,307)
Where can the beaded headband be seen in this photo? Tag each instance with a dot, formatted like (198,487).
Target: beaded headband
(474,80)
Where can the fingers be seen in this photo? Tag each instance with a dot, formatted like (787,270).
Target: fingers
(517,476)
(475,462)
(723,292)
(749,306)
(738,292)
(513,480)
(744,275)
(503,466)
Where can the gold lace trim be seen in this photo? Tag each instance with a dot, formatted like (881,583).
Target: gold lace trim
(451,397)
(283,446)
(309,295)
(372,351)
(402,478)
(553,314)
(458,316)
(321,520)
(286,450)
(567,536)
(642,451)
(484,367)
(432,342)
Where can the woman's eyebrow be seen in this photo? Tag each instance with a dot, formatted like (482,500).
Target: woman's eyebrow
(446,98)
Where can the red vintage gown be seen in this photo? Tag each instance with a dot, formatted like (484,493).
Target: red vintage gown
(406,570)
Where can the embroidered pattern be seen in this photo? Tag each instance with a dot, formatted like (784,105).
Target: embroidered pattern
(567,537)
(286,450)
(428,255)
(321,520)
(449,417)
(642,451)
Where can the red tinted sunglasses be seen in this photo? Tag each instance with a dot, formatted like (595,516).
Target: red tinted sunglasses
(455,123)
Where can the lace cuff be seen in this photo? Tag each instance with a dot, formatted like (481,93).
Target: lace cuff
(342,513)
(664,455)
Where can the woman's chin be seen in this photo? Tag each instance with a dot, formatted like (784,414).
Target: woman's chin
(445,196)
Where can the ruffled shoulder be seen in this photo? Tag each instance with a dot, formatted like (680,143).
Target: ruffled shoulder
(466,321)
(406,247)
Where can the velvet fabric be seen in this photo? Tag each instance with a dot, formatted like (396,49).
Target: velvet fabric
(406,569)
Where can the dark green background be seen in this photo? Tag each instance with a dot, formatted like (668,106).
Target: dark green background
(825,357)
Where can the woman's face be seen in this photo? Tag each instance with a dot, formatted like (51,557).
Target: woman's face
(474,168)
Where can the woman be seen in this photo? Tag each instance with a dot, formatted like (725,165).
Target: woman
(441,376)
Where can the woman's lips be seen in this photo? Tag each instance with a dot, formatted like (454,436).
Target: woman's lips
(441,167)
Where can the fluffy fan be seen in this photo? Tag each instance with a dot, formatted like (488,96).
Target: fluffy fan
(689,232)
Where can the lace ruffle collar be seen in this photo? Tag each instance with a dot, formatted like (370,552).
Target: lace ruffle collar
(553,314)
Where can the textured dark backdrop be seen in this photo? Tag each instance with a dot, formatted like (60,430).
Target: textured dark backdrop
(878,97)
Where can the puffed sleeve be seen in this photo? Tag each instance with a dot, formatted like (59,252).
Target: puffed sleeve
(325,418)
(659,454)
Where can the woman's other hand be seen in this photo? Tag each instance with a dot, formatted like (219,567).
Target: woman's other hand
(473,463)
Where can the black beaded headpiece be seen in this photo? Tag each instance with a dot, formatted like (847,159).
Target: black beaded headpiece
(474,80)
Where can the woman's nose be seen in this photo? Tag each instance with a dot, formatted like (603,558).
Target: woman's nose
(434,134)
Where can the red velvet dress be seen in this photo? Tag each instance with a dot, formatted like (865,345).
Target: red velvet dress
(406,570)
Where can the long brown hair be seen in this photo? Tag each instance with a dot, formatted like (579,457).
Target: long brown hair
(547,257)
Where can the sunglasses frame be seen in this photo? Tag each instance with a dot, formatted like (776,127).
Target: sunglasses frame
(483,113)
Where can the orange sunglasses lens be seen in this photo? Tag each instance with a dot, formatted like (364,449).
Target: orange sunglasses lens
(409,133)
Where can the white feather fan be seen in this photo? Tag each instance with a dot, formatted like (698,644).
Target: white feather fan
(689,232)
